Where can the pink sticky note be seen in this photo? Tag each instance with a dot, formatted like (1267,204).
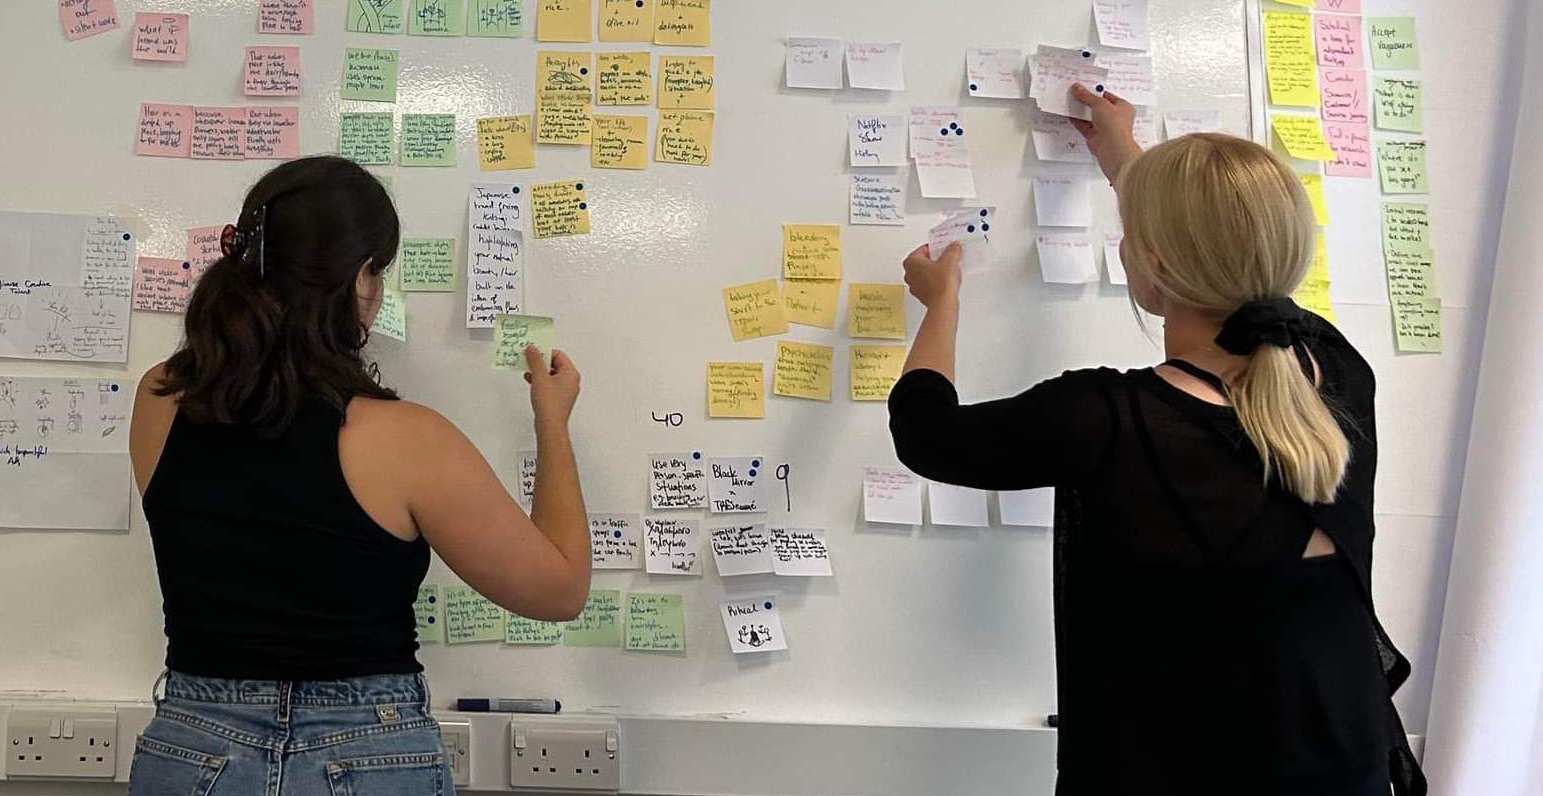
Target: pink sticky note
(1352,145)
(1339,40)
(285,16)
(162,285)
(1344,93)
(1342,6)
(82,18)
(272,71)
(219,133)
(164,130)
(272,132)
(204,247)
(160,37)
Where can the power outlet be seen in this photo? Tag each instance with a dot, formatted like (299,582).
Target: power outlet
(61,744)
(560,753)
(457,738)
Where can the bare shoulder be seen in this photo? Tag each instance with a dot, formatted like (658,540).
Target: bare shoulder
(400,422)
(150,408)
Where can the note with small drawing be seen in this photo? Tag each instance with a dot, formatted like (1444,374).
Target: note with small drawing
(437,18)
(376,16)
(753,624)
(65,444)
(672,546)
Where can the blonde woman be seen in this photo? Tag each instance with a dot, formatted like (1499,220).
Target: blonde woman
(1213,532)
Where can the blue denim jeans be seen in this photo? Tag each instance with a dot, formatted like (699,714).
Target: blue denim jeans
(366,736)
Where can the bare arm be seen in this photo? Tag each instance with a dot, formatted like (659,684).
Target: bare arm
(936,284)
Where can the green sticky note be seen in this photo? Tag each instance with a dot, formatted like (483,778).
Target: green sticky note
(428,264)
(504,18)
(369,75)
(656,622)
(428,139)
(1398,104)
(437,18)
(366,138)
(391,320)
(470,617)
(532,632)
(375,16)
(599,625)
(1410,274)
(1402,166)
(426,611)
(1417,324)
(1393,43)
(512,333)
(1406,228)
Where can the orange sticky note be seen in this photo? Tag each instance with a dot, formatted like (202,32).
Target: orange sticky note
(160,37)
(285,16)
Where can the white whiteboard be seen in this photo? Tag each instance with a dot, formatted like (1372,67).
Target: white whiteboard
(937,626)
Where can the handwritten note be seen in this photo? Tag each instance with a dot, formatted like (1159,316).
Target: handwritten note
(563,117)
(1053,72)
(626,20)
(505,142)
(563,20)
(878,198)
(375,16)
(431,630)
(162,285)
(1302,136)
(1345,95)
(1399,105)
(891,496)
(615,541)
(741,549)
(1406,228)
(738,485)
(813,62)
(559,208)
(285,16)
(367,138)
(522,632)
(1131,77)
(218,133)
(164,131)
(1062,200)
(686,82)
(1313,185)
(64,444)
(391,320)
(497,18)
(942,158)
(811,251)
(874,369)
(599,624)
(876,311)
(970,227)
(437,18)
(369,74)
(754,310)
(736,390)
(1417,324)
(678,481)
(160,37)
(1393,43)
(428,265)
(1121,23)
(1339,41)
(428,139)
(1402,166)
(1184,122)
(512,334)
(203,247)
(685,137)
(800,552)
(1289,61)
(619,142)
(1066,258)
(1352,150)
(624,78)
(683,23)
(272,132)
(877,140)
(656,622)
(1411,274)
(272,72)
(803,370)
(526,496)
(671,546)
(1056,140)
(753,624)
(84,18)
(811,302)
(994,73)
(875,65)
(957,505)
(558,70)
(470,617)
(1340,6)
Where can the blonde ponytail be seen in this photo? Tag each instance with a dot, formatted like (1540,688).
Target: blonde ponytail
(1220,222)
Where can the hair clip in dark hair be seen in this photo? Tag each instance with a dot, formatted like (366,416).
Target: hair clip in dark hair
(262,249)
(232,241)
(1276,321)
(237,242)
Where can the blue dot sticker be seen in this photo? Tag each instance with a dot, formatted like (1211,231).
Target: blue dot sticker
(127,236)
(984,227)
(768,605)
(959,131)
(583,70)
(696,454)
(187,266)
(969,228)
(433,598)
(974,87)
(1099,88)
(752,473)
(640,3)
(432,620)
(983,212)
(583,205)
(617,534)
(755,462)
(578,186)
(943,131)
(953,125)
(516,189)
(115,388)
(1087,54)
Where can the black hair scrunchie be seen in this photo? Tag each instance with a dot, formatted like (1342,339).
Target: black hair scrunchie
(1276,321)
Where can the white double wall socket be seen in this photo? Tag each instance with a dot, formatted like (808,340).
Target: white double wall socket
(61,744)
(565,753)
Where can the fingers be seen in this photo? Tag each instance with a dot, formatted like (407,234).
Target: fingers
(1081,94)
(533,363)
(1083,126)
(1113,98)
(919,254)
(561,362)
(952,254)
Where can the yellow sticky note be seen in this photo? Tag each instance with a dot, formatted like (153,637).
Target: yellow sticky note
(686,81)
(1290,59)
(683,23)
(624,79)
(564,71)
(812,302)
(736,389)
(803,370)
(562,20)
(1298,3)
(755,310)
(563,117)
(1302,136)
(1313,183)
(504,142)
(558,208)
(685,137)
(626,20)
(876,311)
(811,251)
(619,142)
(874,370)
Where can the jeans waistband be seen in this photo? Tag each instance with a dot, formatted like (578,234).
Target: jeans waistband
(371,690)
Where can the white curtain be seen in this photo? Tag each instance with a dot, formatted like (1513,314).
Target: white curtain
(1485,734)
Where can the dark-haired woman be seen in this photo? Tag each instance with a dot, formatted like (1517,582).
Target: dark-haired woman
(292,503)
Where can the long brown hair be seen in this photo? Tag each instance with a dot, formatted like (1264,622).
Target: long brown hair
(275,322)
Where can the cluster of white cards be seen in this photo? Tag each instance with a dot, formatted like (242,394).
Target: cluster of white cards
(816,62)
(895,497)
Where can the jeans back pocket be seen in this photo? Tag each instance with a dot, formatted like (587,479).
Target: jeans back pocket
(161,769)
(389,775)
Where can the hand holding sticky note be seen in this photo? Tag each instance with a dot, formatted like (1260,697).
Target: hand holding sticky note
(512,334)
